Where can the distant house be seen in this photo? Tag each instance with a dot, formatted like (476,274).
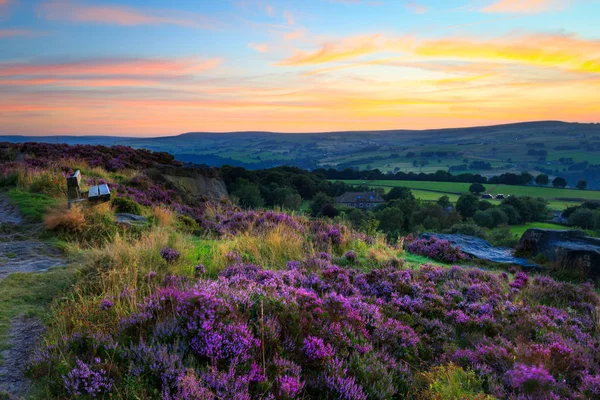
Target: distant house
(364,200)
(487,196)
(500,197)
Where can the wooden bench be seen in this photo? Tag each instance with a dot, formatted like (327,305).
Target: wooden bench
(96,194)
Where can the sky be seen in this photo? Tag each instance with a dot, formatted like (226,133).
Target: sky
(164,67)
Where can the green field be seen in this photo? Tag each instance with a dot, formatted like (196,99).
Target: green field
(519,230)
(558,199)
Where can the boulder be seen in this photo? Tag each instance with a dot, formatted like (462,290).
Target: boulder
(130,219)
(479,248)
(568,249)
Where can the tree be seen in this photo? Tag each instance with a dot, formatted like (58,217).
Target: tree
(400,193)
(559,182)
(444,202)
(476,188)
(582,185)
(467,205)
(582,218)
(542,180)
(320,200)
(390,219)
(248,194)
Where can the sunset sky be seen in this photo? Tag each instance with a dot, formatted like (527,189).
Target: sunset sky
(164,67)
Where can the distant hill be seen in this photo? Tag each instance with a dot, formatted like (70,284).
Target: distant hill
(552,147)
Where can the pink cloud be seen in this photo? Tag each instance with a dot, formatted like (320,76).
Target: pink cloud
(526,6)
(131,67)
(118,15)
(4,33)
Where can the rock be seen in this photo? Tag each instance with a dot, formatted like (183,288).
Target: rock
(479,248)
(194,184)
(130,219)
(569,249)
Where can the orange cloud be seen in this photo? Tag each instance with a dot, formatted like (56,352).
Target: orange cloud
(525,6)
(344,50)
(547,50)
(118,15)
(560,51)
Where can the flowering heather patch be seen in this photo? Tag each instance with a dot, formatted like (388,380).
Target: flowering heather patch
(317,330)
(112,158)
(169,255)
(434,248)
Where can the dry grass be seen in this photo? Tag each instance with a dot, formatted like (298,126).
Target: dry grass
(118,271)
(271,249)
(66,219)
(164,216)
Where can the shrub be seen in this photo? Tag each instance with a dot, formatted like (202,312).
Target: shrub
(467,228)
(503,237)
(450,382)
(126,205)
(440,250)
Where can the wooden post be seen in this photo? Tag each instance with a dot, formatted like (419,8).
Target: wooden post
(73,190)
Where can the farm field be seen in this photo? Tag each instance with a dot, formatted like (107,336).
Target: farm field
(558,199)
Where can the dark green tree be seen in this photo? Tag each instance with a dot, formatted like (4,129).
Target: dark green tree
(248,194)
(542,180)
(318,201)
(467,205)
(476,188)
(582,185)
(559,182)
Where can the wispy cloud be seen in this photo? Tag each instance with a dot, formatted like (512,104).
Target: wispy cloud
(547,50)
(526,6)
(289,17)
(259,47)
(110,68)
(415,7)
(346,49)
(4,33)
(558,51)
(68,10)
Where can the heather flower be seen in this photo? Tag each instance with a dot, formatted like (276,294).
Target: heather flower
(288,387)
(199,269)
(87,380)
(351,256)
(316,349)
(169,255)
(105,304)
(150,275)
(530,379)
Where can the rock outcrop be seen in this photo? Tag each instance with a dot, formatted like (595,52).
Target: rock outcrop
(195,184)
(479,248)
(568,249)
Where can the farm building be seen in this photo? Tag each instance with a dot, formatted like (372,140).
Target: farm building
(364,200)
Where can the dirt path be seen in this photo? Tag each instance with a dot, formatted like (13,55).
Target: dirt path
(20,252)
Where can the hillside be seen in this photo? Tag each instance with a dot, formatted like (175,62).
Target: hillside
(204,299)
(569,149)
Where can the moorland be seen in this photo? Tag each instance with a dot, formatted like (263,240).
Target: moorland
(258,285)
